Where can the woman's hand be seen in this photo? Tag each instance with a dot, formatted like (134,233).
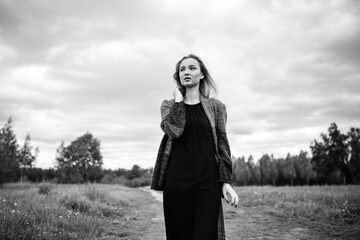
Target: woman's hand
(177,95)
(227,189)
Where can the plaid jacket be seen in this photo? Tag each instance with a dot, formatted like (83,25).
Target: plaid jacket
(173,124)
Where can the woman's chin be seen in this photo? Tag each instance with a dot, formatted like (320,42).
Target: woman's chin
(189,84)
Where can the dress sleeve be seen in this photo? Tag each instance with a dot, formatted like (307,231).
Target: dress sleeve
(172,118)
(225,163)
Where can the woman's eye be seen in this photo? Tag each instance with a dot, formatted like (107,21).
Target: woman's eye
(182,69)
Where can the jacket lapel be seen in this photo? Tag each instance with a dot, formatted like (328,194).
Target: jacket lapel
(208,110)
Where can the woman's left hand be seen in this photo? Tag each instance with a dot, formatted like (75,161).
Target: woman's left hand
(227,189)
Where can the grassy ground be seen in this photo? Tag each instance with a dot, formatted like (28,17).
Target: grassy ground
(326,212)
(114,212)
(59,212)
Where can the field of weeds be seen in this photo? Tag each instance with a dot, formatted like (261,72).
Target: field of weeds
(338,203)
(307,212)
(57,212)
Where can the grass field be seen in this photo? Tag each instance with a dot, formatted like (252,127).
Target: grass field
(313,212)
(29,211)
(57,212)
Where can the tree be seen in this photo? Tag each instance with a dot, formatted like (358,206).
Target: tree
(26,157)
(288,169)
(9,155)
(330,157)
(354,154)
(81,161)
(241,171)
(256,174)
(304,168)
(135,172)
(265,168)
(274,173)
(251,165)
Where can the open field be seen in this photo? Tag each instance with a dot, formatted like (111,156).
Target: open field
(29,211)
(327,212)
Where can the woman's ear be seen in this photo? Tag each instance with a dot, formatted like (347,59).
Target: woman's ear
(202,75)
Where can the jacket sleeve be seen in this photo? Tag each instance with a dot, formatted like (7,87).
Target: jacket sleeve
(225,163)
(172,118)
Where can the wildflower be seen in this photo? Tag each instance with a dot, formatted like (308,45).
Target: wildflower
(60,217)
(12,211)
(15,204)
(4,200)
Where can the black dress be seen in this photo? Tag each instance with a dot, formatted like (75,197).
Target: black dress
(191,194)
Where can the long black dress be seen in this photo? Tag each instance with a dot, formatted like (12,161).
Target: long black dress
(191,194)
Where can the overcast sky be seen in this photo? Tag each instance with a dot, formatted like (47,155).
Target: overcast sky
(284,69)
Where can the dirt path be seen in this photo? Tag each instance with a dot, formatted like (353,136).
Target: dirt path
(144,218)
(146,221)
(252,223)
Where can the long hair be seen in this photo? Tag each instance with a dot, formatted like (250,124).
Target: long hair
(207,84)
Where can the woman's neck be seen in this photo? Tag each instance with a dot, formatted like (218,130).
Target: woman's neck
(192,95)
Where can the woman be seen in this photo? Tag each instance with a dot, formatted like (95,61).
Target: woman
(193,165)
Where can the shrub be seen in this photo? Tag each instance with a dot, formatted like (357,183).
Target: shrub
(45,189)
(138,182)
(76,203)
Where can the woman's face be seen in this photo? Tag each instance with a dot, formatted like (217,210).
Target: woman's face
(190,73)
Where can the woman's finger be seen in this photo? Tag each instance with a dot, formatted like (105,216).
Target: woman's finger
(235,200)
(225,195)
(232,198)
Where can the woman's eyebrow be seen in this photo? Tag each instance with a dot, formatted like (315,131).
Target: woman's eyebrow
(188,66)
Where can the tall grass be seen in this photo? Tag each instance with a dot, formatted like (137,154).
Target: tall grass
(333,210)
(331,202)
(28,213)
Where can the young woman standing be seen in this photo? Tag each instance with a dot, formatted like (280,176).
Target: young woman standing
(193,165)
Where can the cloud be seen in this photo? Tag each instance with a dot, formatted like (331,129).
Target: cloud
(285,71)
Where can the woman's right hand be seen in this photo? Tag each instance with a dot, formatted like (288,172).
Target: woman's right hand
(177,95)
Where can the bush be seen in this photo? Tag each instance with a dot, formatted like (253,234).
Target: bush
(111,178)
(138,182)
(45,189)
(76,203)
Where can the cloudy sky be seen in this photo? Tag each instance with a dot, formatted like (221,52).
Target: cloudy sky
(285,70)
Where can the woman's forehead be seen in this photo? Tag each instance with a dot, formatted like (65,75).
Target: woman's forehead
(189,62)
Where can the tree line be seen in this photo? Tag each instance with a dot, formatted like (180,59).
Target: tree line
(292,170)
(335,160)
(79,162)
